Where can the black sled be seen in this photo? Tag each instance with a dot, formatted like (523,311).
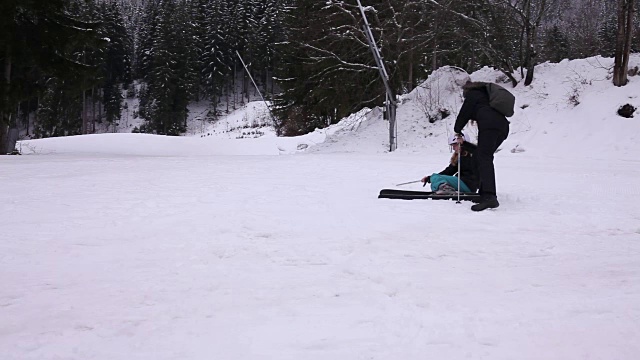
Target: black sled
(416,195)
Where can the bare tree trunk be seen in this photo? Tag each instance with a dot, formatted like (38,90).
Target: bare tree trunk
(100,106)
(235,86)
(410,76)
(273,66)
(529,34)
(85,121)
(35,116)
(28,115)
(523,59)
(509,74)
(434,57)
(245,84)
(617,67)
(5,115)
(248,85)
(411,62)
(19,121)
(530,56)
(628,36)
(265,81)
(436,29)
(269,81)
(93,109)
(623,41)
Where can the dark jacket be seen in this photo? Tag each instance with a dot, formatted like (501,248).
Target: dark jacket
(468,167)
(476,107)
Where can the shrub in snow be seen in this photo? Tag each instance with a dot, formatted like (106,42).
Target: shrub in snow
(574,97)
(626,110)
(434,96)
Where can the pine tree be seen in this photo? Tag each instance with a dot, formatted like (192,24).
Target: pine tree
(213,50)
(147,33)
(607,32)
(199,26)
(57,42)
(116,61)
(59,111)
(266,36)
(171,73)
(556,45)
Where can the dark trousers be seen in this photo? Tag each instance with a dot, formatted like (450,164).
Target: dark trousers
(488,142)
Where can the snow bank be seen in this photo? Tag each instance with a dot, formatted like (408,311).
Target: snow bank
(569,109)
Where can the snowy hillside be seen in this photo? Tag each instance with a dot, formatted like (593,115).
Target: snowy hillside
(141,247)
(571,107)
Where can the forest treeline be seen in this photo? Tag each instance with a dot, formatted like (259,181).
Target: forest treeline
(69,64)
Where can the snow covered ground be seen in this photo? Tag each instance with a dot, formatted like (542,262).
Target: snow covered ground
(141,247)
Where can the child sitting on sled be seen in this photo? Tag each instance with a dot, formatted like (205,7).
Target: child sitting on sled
(446,181)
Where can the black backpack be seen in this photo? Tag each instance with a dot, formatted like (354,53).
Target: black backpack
(501,99)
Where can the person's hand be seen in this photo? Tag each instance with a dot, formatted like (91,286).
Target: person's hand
(460,138)
(425,180)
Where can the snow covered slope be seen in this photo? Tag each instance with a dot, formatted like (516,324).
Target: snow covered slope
(569,109)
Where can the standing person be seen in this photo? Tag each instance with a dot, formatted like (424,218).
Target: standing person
(493,129)
(446,181)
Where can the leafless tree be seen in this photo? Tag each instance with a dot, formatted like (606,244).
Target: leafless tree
(626,10)
(488,27)
(529,14)
(402,29)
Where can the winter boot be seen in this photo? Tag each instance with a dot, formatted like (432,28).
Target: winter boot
(480,198)
(446,189)
(486,202)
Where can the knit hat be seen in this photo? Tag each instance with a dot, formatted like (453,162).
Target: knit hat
(454,138)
